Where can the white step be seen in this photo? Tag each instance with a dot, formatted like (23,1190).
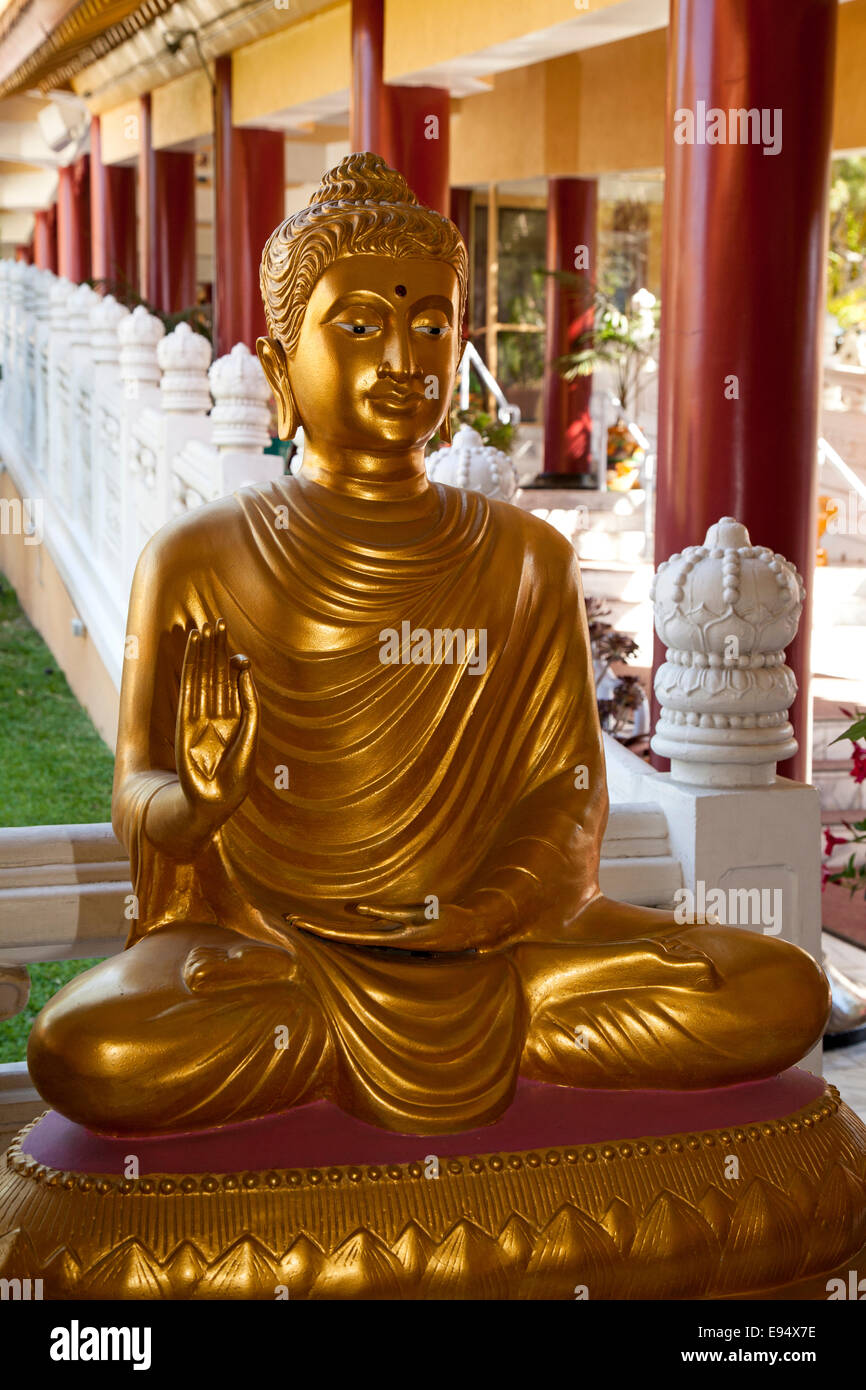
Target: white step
(636,863)
(649,882)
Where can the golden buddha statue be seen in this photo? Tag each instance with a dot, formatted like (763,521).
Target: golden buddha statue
(369,873)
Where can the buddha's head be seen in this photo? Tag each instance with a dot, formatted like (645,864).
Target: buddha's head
(364,293)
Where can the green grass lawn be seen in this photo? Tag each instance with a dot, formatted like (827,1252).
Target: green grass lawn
(54,769)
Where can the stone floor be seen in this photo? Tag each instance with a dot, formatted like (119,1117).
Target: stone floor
(845,1067)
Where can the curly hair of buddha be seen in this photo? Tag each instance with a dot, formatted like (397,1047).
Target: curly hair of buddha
(362,207)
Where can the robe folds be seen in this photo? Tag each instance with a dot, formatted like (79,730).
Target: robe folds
(380,780)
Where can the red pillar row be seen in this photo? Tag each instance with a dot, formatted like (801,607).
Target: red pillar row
(45,239)
(73,220)
(408,126)
(572,218)
(249,179)
(418,145)
(366,104)
(112,216)
(166,182)
(741,327)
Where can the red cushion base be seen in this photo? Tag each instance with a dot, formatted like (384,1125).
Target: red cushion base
(319,1135)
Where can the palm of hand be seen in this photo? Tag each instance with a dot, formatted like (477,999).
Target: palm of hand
(217,723)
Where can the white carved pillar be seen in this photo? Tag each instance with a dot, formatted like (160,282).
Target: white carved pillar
(109,472)
(106,316)
(241,421)
(139,335)
(470,463)
(184,357)
(42,347)
(60,392)
(726,611)
(32,277)
(15,337)
(241,394)
(78,309)
(748,841)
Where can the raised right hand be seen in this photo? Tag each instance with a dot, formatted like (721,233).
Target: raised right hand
(217,728)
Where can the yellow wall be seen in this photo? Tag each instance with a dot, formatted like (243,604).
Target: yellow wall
(296,65)
(598,111)
(849,113)
(500,134)
(41,593)
(606,107)
(119,132)
(419,35)
(182,110)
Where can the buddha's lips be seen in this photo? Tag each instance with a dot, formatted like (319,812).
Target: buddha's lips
(397,400)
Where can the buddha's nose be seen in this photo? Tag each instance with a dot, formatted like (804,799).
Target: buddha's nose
(398,360)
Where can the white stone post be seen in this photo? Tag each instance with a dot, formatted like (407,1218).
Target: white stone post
(726,611)
(184,357)
(470,463)
(241,395)
(106,316)
(240,420)
(748,841)
(139,335)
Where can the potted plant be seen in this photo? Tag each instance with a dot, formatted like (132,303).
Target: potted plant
(625,340)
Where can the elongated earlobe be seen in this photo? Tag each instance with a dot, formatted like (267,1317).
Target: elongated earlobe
(272,356)
(445,427)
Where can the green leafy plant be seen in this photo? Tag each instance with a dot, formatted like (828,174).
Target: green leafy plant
(498,433)
(624,339)
(853,875)
(846,267)
(198,316)
(617,709)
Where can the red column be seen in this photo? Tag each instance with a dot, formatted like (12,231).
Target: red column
(73,220)
(249,187)
(418,141)
(460,212)
(175,230)
(166,187)
(572,217)
(24,252)
(366,104)
(45,240)
(148,262)
(112,216)
(743,288)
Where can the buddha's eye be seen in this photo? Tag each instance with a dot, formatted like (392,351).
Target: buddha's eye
(431,330)
(359,330)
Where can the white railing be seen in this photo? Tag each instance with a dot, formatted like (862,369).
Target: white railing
(472,361)
(109,428)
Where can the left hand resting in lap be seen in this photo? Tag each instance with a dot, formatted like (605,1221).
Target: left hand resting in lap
(408,928)
(208,969)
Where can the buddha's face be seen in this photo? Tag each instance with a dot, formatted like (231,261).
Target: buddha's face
(377,354)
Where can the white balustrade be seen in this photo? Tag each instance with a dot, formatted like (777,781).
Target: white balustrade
(241,401)
(108,423)
(726,610)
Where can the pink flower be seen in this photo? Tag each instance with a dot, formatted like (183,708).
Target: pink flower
(858,759)
(831,840)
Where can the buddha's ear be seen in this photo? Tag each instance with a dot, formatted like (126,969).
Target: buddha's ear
(272,356)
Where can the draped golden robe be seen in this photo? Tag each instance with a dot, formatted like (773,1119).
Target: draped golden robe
(392,784)
(399,775)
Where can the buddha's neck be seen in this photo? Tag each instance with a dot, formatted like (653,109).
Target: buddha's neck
(360,483)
